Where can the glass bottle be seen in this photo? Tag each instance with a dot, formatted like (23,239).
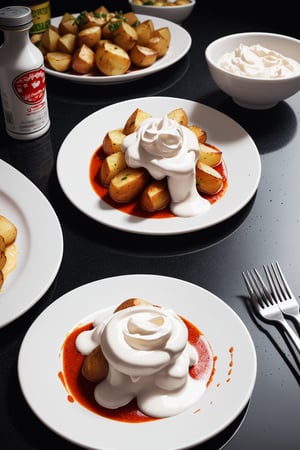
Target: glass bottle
(41,15)
(22,77)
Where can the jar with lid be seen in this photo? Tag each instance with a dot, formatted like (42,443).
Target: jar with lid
(41,15)
(22,77)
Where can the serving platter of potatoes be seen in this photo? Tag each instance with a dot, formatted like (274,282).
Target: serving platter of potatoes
(102,47)
(76,154)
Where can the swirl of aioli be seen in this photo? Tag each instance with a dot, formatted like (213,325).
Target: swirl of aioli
(260,62)
(167,149)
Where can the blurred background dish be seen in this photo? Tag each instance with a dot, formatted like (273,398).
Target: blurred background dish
(239,77)
(178,12)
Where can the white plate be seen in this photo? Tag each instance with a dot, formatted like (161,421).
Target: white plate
(180,44)
(39,243)
(240,154)
(40,361)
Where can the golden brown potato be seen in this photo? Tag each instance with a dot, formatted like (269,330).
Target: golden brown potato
(2,252)
(83,60)
(59,61)
(112,141)
(95,366)
(111,166)
(155,196)
(68,16)
(158,42)
(131,18)
(128,184)
(179,115)
(68,26)
(7,230)
(143,56)
(199,132)
(1,279)
(144,30)
(125,36)
(163,32)
(134,121)
(89,36)
(210,155)
(49,40)
(89,19)
(131,302)
(111,59)
(67,43)
(208,180)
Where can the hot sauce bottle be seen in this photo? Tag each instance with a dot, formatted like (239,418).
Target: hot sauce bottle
(22,77)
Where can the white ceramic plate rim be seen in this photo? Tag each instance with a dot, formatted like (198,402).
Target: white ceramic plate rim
(39,243)
(220,405)
(240,153)
(181,42)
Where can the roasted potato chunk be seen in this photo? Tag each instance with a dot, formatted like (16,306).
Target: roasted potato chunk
(155,196)
(111,166)
(111,59)
(135,120)
(125,36)
(89,36)
(7,230)
(112,141)
(95,366)
(59,61)
(131,302)
(211,156)
(201,134)
(83,60)
(2,252)
(208,180)
(67,43)
(143,56)
(180,116)
(68,26)
(128,184)
(49,40)
(144,30)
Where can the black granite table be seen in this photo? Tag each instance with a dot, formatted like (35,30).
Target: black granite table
(267,229)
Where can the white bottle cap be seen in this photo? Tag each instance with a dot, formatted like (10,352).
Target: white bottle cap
(15,17)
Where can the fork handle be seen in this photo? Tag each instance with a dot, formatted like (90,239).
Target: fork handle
(291,333)
(296,318)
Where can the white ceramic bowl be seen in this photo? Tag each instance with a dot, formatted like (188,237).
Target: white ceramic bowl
(177,13)
(253,92)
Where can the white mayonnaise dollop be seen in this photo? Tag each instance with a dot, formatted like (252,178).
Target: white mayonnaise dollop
(167,149)
(149,356)
(258,61)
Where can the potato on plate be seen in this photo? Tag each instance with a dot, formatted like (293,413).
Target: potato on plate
(144,30)
(159,43)
(7,230)
(143,56)
(111,166)
(155,196)
(180,116)
(49,40)
(112,141)
(125,36)
(59,61)
(89,36)
(135,120)
(211,156)
(2,252)
(111,59)
(95,366)
(68,26)
(208,179)
(67,43)
(128,185)
(131,302)
(83,60)
(201,134)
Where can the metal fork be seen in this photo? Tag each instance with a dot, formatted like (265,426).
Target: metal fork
(264,304)
(281,291)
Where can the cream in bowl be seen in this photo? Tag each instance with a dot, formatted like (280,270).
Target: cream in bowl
(256,69)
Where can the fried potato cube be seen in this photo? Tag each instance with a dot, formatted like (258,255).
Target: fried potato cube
(211,156)
(59,61)
(68,26)
(132,302)
(95,366)
(131,18)
(179,115)
(144,30)
(7,230)
(83,60)
(49,40)
(125,36)
(67,43)
(111,59)
(208,179)
(2,252)
(128,184)
(155,196)
(201,134)
(143,56)
(135,120)
(112,141)
(158,42)
(89,36)
(111,166)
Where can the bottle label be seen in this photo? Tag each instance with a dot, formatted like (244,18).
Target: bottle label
(41,17)
(30,86)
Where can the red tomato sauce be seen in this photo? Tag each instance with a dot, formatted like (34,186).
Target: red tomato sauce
(134,208)
(82,391)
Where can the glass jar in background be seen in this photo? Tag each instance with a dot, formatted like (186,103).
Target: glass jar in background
(41,15)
